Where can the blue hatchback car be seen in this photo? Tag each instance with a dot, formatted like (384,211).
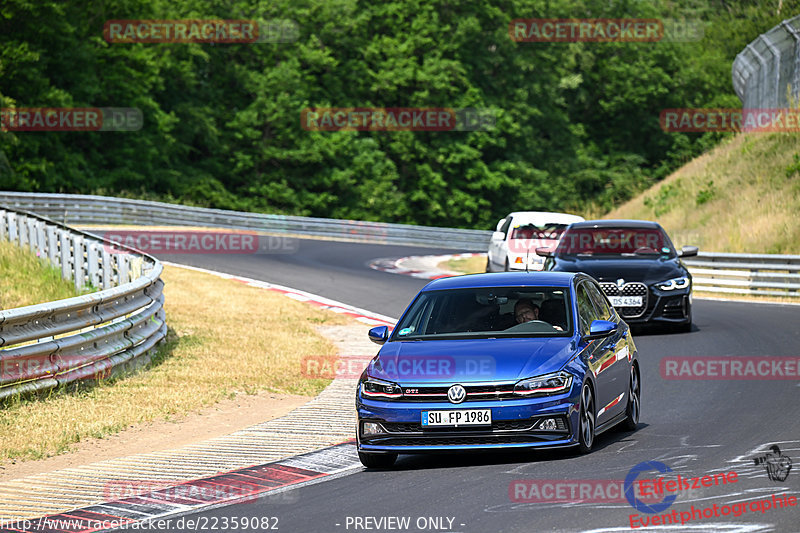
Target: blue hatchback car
(498,361)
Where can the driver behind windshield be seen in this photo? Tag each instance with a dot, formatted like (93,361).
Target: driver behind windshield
(525,311)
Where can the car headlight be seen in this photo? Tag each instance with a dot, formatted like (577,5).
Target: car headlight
(548,384)
(673,284)
(378,388)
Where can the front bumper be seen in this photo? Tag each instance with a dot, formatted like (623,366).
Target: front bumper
(514,425)
(665,307)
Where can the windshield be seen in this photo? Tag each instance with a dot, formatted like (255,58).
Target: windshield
(532,231)
(615,241)
(487,312)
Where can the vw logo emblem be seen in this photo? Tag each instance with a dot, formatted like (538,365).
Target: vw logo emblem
(456,394)
(620,283)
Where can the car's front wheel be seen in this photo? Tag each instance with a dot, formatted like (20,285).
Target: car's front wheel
(686,328)
(634,402)
(377,460)
(586,423)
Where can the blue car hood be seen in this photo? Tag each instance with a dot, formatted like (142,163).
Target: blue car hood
(471,360)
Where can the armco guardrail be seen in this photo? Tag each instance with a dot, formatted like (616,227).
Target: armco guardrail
(766,74)
(715,272)
(764,274)
(86,337)
(86,209)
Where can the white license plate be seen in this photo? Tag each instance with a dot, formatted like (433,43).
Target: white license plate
(462,417)
(626,301)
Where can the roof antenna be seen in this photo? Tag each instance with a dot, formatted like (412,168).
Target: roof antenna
(527,253)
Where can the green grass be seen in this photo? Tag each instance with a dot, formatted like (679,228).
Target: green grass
(743,197)
(26,280)
(226,338)
(466,265)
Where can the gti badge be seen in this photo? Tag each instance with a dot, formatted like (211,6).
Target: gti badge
(456,394)
(620,283)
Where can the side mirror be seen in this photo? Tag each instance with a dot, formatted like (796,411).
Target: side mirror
(544,251)
(379,334)
(688,251)
(498,236)
(500,224)
(601,328)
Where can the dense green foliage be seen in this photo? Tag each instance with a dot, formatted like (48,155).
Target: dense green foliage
(577,123)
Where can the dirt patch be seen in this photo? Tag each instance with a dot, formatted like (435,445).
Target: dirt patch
(222,418)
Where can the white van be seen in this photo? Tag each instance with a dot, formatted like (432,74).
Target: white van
(514,243)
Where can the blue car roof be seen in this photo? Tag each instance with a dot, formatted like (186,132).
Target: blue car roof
(504,279)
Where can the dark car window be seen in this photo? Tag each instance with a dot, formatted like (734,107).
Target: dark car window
(586,311)
(624,241)
(601,304)
(532,231)
(485,312)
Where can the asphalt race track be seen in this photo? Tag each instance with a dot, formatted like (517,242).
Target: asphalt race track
(694,427)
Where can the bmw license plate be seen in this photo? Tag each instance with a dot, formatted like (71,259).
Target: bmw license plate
(462,417)
(626,301)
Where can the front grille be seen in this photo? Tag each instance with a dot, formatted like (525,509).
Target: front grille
(629,289)
(474,393)
(497,425)
(402,427)
(501,425)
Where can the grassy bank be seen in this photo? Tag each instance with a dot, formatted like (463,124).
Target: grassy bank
(26,280)
(743,196)
(225,338)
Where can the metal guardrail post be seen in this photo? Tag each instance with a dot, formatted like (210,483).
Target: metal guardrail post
(52,246)
(64,253)
(107,278)
(93,265)
(78,262)
(41,241)
(12,227)
(22,230)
